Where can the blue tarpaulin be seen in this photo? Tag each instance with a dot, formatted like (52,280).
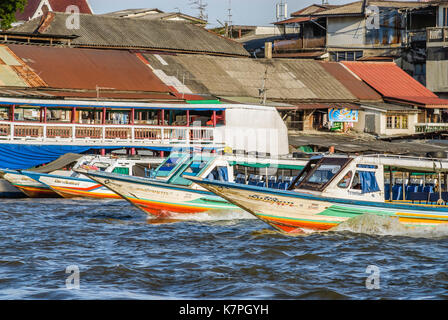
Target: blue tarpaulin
(18,156)
(368,181)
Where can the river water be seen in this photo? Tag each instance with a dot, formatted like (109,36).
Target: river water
(87,249)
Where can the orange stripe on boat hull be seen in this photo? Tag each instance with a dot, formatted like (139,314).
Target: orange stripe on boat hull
(163,210)
(70,193)
(288,225)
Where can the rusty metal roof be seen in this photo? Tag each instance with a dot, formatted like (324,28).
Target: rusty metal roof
(395,84)
(76,68)
(110,32)
(354,84)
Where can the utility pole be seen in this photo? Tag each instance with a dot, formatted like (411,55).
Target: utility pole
(229,21)
(263,90)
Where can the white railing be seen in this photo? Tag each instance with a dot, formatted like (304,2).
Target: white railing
(430,127)
(56,132)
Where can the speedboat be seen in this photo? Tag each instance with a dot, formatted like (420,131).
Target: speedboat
(332,189)
(75,184)
(167,191)
(35,189)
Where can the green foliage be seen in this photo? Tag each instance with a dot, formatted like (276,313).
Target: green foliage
(8,9)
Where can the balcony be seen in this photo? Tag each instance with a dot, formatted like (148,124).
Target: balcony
(299,44)
(82,134)
(436,35)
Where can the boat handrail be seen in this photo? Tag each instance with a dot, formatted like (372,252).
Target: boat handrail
(404,157)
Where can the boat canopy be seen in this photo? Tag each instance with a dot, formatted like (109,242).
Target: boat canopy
(58,164)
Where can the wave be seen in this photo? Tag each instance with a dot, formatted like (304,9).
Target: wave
(383,225)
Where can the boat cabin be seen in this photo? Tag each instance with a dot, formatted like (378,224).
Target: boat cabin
(377,178)
(265,172)
(203,165)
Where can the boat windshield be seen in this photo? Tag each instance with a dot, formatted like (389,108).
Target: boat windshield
(323,173)
(195,167)
(170,164)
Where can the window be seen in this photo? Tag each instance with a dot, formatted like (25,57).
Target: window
(324,171)
(345,182)
(365,181)
(195,167)
(170,164)
(397,122)
(346,55)
(102,166)
(356,183)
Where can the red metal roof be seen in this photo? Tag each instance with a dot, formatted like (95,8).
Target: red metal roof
(75,68)
(56,5)
(393,82)
(355,85)
(61,5)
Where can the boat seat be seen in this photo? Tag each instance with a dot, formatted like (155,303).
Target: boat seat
(387,191)
(419,196)
(434,197)
(397,192)
(409,190)
(261,184)
(428,189)
(240,178)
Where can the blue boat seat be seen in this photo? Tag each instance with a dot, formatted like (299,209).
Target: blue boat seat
(428,189)
(409,190)
(240,178)
(419,196)
(397,192)
(387,191)
(261,184)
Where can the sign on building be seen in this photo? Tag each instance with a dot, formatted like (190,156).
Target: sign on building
(342,115)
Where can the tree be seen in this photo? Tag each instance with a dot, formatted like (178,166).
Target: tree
(8,10)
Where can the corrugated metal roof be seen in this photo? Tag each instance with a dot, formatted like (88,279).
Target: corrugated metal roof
(393,82)
(356,8)
(105,31)
(312,106)
(388,79)
(355,85)
(312,9)
(294,20)
(286,79)
(76,68)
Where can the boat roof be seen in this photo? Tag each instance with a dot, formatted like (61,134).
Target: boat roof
(405,163)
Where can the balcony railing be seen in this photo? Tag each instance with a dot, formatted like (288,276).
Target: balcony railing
(298,44)
(430,127)
(81,133)
(438,34)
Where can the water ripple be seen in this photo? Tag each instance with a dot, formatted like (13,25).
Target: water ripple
(121,254)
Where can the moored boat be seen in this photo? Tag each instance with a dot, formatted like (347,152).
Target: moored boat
(35,189)
(78,185)
(167,191)
(332,189)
